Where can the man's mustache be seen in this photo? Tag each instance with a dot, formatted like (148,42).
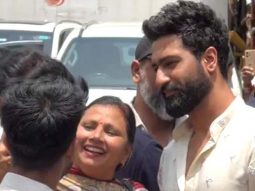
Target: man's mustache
(171,87)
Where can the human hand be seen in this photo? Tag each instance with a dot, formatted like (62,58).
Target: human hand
(247,75)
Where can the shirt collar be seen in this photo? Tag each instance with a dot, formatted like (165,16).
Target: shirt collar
(223,120)
(22,183)
(138,120)
(217,125)
(182,129)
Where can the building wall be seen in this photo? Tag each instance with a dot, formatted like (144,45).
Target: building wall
(87,10)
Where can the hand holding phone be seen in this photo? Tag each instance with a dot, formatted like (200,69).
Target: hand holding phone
(249,58)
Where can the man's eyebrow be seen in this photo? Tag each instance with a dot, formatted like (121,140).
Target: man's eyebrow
(169,57)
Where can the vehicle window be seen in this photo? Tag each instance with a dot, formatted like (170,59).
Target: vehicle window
(127,51)
(16,45)
(103,62)
(11,35)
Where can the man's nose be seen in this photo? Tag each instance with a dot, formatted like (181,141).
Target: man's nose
(162,77)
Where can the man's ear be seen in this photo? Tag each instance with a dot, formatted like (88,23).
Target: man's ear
(4,141)
(135,71)
(210,59)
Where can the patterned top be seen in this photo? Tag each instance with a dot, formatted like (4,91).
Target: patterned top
(74,182)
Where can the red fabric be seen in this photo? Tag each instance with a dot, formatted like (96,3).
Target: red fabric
(76,171)
(137,185)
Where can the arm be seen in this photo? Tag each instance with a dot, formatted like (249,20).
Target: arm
(247,75)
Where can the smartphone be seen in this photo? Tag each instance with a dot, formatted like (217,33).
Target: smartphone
(249,58)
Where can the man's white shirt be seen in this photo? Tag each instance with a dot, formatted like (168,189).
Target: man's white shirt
(227,162)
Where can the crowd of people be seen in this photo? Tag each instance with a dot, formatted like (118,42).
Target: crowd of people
(184,130)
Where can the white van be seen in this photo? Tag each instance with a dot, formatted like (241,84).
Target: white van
(102,54)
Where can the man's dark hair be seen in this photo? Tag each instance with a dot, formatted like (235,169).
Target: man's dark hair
(27,63)
(40,117)
(196,24)
(126,110)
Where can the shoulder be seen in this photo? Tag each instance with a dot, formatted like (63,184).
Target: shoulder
(144,140)
(146,151)
(244,116)
(145,146)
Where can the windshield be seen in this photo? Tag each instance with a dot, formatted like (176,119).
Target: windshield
(14,35)
(103,62)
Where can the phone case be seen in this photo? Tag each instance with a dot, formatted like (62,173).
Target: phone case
(249,57)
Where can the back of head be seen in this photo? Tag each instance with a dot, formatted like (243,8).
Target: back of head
(16,64)
(10,65)
(126,110)
(196,24)
(40,118)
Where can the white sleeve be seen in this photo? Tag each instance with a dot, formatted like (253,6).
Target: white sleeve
(251,170)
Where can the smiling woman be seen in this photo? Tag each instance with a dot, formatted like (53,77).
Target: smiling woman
(104,140)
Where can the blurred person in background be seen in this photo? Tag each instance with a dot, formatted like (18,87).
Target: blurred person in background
(247,74)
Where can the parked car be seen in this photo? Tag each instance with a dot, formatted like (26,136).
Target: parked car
(102,54)
(50,34)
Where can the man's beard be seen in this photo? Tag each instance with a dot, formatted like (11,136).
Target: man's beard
(155,101)
(187,96)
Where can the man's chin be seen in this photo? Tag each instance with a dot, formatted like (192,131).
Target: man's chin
(176,111)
